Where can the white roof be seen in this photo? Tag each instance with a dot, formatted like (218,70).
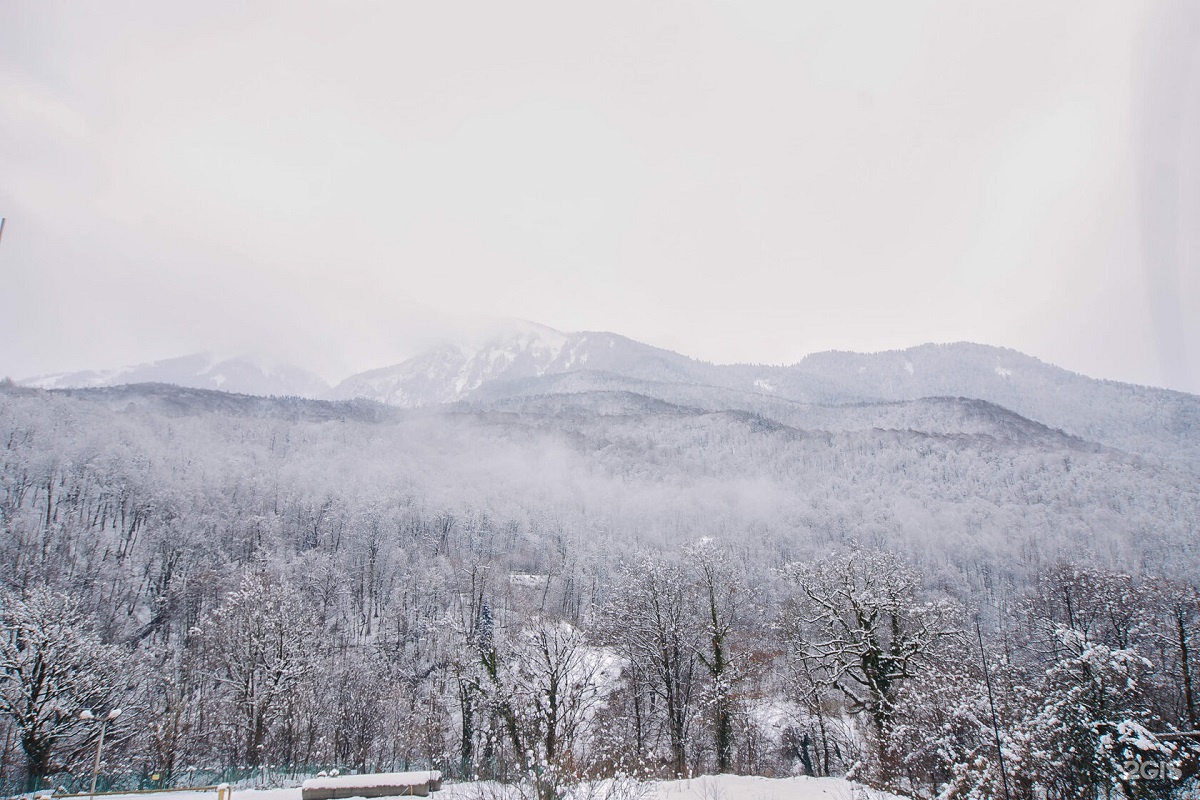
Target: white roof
(373,780)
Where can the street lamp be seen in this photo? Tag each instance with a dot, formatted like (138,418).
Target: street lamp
(87,716)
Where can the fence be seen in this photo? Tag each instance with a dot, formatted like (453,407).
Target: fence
(264,777)
(148,780)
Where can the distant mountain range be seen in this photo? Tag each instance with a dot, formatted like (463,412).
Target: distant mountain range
(960,455)
(240,374)
(509,367)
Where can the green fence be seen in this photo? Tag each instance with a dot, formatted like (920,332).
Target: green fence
(130,781)
(68,783)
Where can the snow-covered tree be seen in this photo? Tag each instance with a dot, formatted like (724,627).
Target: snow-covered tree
(52,668)
(559,681)
(259,646)
(719,593)
(1091,723)
(650,621)
(857,624)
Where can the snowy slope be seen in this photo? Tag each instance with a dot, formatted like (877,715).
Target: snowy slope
(455,371)
(1137,419)
(915,474)
(238,374)
(525,360)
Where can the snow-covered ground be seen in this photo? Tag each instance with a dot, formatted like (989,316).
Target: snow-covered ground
(712,787)
(746,787)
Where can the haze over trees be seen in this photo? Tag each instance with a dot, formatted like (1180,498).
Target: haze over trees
(631,570)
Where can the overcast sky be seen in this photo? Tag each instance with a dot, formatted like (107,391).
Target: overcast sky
(737,181)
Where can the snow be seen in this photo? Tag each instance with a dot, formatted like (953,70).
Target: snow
(529,581)
(745,787)
(712,787)
(908,367)
(1003,373)
(84,379)
(372,780)
(499,359)
(765,385)
(239,794)
(1134,734)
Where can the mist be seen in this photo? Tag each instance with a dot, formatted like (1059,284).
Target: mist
(746,183)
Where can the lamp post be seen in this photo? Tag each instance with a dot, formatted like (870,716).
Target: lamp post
(87,716)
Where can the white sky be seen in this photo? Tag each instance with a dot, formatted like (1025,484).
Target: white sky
(737,181)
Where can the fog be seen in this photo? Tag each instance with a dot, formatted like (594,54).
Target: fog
(337,186)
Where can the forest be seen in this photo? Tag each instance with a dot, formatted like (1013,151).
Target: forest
(939,598)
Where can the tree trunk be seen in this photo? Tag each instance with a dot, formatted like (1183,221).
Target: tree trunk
(1189,699)
(37,759)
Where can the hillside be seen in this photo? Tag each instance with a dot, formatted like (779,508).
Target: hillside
(536,360)
(294,581)
(239,374)
(952,480)
(525,360)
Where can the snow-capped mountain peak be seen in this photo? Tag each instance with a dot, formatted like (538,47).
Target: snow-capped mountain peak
(513,352)
(452,370)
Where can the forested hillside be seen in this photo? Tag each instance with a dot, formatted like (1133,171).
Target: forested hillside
(599,576)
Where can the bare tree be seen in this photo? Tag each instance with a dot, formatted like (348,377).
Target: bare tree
(260,644)
(650,620)
(718,590)
(52,667)
(857,625)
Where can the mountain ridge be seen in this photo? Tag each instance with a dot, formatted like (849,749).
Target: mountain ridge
(239,374)
(529,360)
(207,365)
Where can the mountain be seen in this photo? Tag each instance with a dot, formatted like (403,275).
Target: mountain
(496,369)
(951,482)
(531,360)
(240,375)
(544,483)
(455,371)
(1139,419)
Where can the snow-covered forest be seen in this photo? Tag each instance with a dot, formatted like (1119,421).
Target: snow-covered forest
(758,400)
(601,581)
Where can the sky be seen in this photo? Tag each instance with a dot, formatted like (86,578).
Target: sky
(338,184)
